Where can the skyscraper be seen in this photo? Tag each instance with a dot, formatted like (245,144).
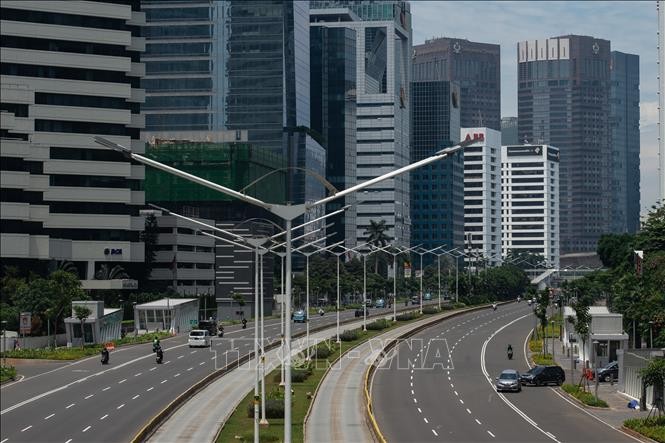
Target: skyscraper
(477,69)
(564,100)
(625,141)
(71,71)
(383,48)
(333,98)
(437,190)
(509,131)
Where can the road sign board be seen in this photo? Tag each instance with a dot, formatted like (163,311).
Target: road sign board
(25,326)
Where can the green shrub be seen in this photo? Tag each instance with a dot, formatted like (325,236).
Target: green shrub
(459,305)
(535,345)
(7,373)
(408,316)
(300,375)
(54,354)
(653,428)
(430,310)
(545,360)
(379,324)
(585,397)
(323,350)
(350,335)
(274,408)
(354,306)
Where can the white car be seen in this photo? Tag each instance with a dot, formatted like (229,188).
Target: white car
(199,337)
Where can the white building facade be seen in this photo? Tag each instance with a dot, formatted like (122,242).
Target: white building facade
(383,69)
(70,71)
(530,203)
(482,196)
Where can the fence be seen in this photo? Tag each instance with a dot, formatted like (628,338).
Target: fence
(9,343)
(631,361)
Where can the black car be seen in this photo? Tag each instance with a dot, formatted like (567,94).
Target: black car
(359,312)
(543,375)
(609,372)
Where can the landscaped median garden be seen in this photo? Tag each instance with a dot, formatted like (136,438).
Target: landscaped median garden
(653,428)
(306,377)
(75,353)
(7,373)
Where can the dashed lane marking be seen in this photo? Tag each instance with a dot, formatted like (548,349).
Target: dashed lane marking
(103,416)
(106,388)
(86,429)
(121,406)
(434,432)
(25,429)
(48,416)
(122,381)
(88,396)
(136,396)
(149,389)
(490,433)
(70,405)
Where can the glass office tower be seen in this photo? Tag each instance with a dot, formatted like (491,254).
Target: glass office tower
(564,101)
(437,190)
(333,111)
(625,141)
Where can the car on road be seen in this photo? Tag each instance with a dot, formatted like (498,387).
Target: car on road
(428,296)
(415,300)
(380,303)
(508,380)
(359,312)
(199,337)
(299,316)
(609,372)
(543,375)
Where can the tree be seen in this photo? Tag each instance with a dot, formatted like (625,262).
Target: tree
(653,375)
(376,237)
(615,249)
(65,288)
(542,301)
(582,320)
(149,237)
(81,313)
(106,272)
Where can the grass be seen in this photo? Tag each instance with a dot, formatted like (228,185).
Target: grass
(239,427)
(585,397)
(7,373)
(540,359)
(653,428)
(74,353)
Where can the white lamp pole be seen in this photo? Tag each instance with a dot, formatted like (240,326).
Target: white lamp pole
(286,212)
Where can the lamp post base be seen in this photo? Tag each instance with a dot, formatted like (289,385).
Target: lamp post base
(263,422)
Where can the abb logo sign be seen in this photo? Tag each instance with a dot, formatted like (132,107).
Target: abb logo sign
(477,137)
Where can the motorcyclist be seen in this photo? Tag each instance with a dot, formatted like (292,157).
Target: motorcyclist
(105,356)
(160,354)
(155,344)
(494,306)
(510,352)
(244,323)
(220,330)
(321,311)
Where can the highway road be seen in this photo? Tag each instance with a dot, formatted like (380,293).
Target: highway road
(85,401)
(450,396)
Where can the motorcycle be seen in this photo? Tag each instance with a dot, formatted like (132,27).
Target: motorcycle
(494,306)
(160,355)
(105,356)
(510,353)
(220,331)
(321,312)
(244,323)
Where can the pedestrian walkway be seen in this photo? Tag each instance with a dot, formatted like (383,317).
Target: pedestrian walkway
(618,411)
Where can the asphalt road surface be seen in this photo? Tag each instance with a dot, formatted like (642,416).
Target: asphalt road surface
(447,392)
(86,401)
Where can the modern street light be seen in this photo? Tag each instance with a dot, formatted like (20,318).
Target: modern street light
(287,212)
(438,261)
(395,254)
(421,253)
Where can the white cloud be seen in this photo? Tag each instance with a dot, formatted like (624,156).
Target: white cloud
(648,113)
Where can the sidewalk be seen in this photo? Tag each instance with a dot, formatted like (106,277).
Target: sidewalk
(617,401)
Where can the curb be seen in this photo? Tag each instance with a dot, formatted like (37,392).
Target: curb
(634,433)
(151,426)
(369,414)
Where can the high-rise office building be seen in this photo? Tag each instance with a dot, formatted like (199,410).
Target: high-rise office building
(383,54)
(564,101)
(482,196)
(477,69)
(530,201)
(437,190)
(333,113)
(71,71)
(509,131)
(625,141)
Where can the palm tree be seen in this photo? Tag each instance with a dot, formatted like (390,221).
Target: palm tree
(376,236)
(107,273)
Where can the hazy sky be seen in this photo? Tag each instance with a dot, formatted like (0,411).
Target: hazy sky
(631,27)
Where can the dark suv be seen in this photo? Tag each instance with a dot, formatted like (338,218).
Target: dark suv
(609,372)
(543,375)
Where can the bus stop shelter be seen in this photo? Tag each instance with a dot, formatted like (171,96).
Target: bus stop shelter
(167,314)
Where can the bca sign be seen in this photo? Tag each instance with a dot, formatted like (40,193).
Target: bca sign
(480,137)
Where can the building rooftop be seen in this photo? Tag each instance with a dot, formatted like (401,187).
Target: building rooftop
(166,302)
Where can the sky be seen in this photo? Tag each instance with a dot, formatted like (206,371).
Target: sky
(631,26)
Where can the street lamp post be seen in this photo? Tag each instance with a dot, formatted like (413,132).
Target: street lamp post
(287,212)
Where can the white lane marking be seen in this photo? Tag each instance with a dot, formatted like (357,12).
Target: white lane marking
(121,406)
(152,369)
(478,421)
(411,383)
(461,401)
(415,401)
(103,416)
(468,410)
(65,442)
(136,375)
(434,432)
(25,429)
(167,362)
(452,385)
(412,393)
(48,416)
(106,388)
(3,441)
(202,363)
(490,433)
(163,381)
(551,435)
(213,358)
(425,418)
(420,410)
(189,369)
(88,396)
(136,396)
(86,429)
(70,405)
(456,393)
(192,352)
(177,375)
(149,389)
(181,356)
(483,367)
(122,381)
